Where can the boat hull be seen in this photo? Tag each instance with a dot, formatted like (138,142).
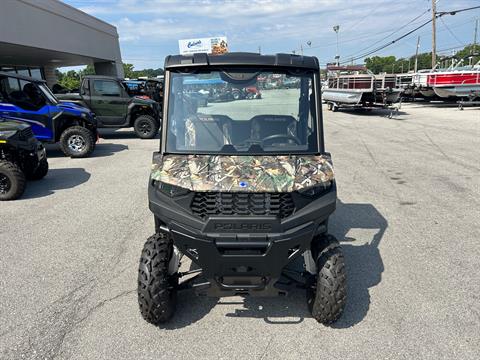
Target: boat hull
(342,96)
(457,91)
(393,96)
(427,92)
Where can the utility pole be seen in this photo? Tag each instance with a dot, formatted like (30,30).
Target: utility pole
(259,49)
(416,55)
(475,37)
(434,33)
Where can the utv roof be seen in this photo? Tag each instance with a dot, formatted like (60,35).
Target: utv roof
(242,59)
(21,77)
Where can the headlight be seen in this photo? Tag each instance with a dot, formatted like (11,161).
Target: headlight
(170,190)
(316,190)
(7,133)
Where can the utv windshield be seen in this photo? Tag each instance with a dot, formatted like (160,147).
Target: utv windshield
(238,111)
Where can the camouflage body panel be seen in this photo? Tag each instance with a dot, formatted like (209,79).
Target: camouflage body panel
(243,173)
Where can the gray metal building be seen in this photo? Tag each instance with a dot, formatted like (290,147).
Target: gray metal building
(38,36)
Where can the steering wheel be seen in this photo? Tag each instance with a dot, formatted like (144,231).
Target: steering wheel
(282,136)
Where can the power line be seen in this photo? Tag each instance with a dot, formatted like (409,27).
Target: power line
(393,32)
(388,44)
(439,14)
(451,32)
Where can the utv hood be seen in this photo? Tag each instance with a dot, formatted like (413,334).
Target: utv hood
(11,125)
(70,106)
(243,173)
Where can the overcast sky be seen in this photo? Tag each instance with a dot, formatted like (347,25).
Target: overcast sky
(150,29)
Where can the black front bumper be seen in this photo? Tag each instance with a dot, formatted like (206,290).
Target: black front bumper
(241,254)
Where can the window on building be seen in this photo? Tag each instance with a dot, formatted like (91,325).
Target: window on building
(23,71)
(7,69)
(36,73)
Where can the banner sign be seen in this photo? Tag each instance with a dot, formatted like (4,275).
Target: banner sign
(215,45)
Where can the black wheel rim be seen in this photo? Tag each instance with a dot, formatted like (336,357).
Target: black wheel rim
(145,127)
(5,184)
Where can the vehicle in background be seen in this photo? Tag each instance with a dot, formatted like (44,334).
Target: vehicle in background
(249,93)
(290,83)
(150,88)
(22,157)
(461,82)
(115,107)
(355,86)
(30,100)
(198,97)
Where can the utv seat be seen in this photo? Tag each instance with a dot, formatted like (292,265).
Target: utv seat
(206,132)
(35,98)
(267,125)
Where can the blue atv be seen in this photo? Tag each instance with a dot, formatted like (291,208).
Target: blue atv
(30,100)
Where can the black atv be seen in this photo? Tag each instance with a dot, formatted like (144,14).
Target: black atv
(22,157)
(243,190)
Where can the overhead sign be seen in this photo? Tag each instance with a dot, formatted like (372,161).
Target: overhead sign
(215,45)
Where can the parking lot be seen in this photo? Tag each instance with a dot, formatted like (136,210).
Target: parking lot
(408,218)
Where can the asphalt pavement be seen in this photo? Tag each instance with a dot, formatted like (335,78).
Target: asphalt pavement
(408,217)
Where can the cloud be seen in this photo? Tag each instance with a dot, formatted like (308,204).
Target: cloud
(149,29)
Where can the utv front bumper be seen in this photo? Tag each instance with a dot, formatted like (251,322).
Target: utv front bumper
(240,254)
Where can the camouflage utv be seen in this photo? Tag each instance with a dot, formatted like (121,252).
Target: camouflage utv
(243,189)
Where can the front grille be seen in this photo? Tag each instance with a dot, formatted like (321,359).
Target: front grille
(26,133)
(245,204)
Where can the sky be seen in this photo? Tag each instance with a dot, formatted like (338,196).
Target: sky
(149,30)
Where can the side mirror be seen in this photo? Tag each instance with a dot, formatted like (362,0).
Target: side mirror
(157,157)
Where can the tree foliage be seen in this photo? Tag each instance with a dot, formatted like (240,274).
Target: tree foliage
(390,64)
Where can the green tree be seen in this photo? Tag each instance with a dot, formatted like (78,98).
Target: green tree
(70,79)
(389,64)
(378,64)
(89,70)
(469,50)
(129,72)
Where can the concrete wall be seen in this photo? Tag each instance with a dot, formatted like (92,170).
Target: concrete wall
(55,26)
(50,76)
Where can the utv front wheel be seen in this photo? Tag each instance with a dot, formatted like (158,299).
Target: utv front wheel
(77,142)
(326,297)
(157,289)
(146,127)
(40,172)
(12,181)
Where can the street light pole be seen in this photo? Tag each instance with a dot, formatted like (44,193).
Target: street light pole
(416,55)
(336,28)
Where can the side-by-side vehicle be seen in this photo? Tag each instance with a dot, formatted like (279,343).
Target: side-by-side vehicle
(244,189)
(30,100)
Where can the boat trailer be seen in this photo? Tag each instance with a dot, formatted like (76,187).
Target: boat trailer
(394,108)
(471,100)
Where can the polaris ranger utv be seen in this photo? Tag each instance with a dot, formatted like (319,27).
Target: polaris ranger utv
(242,189)
(22,157)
